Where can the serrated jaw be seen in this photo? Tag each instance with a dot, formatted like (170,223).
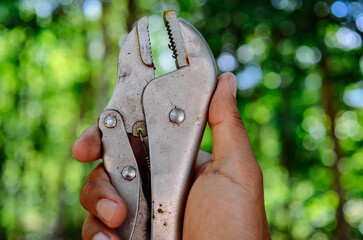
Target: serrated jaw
(144,41)
(176,40)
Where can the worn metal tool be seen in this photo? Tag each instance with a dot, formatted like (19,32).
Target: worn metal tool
(171,111)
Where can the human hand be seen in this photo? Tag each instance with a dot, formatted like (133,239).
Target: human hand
(226,200)
(106,208)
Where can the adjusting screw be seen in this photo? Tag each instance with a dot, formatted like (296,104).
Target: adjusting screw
(110,121)
(128,173)
(177,115)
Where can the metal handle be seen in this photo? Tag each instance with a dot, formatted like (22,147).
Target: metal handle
(121,166)
(175,107)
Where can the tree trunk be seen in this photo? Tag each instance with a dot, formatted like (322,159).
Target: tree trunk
(132,17)
(328,100)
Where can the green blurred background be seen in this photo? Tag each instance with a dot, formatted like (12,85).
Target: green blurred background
(299,70)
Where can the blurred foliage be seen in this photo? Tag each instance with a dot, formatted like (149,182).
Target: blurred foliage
(299,67)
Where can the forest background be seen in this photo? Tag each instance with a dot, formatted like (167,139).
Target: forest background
(299,69)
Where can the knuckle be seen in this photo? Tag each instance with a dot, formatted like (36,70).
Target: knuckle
(90,188)
(246,174)
(84,196)
(216,106)
(232,117)
(237,120)
(249,165)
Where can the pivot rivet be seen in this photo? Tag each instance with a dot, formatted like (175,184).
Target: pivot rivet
(177,115)
(128,173)
(110,121)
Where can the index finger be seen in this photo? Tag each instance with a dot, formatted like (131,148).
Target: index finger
(88,147)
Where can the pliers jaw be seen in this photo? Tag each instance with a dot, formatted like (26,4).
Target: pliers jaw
(172,111)
(176,40)
(135,71)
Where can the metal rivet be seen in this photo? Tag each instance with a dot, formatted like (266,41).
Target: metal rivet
(177,115)
(128,173)
(137,126)
(110,121)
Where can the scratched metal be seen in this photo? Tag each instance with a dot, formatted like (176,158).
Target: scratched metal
(174,147)
(117,154)
(140,100)
(133,76)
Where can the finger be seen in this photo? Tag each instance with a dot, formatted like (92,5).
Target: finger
(88,147)
(201,163)
(230,139)
(102,200)
(93,229)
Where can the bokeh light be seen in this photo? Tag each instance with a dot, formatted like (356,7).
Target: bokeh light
(347,125)
(245,54)
(321,9)
(319,236)
(166,61)
(348,39)
(96,49)
(339,9)
(258,46)
(287,5)
(43,9)
(226,62)
(353,210)
(249,77)
(262,30)
(92,9)
(355,8)
(307,56)
(359,22)
(354,97)
(343,38)
(272,80)
(313,81)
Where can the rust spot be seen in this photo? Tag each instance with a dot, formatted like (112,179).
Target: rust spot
(160,211)
(186,58)
(153,217)
(166,13)
(160,205)
(165,224)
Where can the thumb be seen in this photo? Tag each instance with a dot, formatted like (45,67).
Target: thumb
(230,139)
(232,155)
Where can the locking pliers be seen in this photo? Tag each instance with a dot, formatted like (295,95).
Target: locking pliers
(171,111)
